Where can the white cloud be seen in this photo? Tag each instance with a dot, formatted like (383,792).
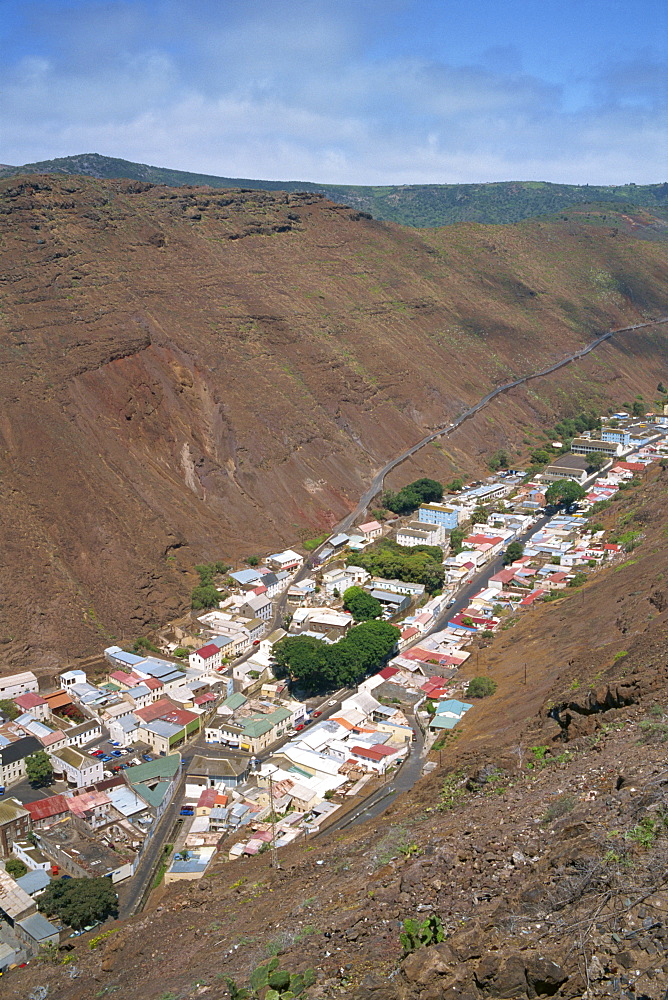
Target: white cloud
(286,91)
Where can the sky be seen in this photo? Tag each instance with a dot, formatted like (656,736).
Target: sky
(343,91)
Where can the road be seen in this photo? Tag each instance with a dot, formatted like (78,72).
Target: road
(131,893)
(384,796)
(377,482)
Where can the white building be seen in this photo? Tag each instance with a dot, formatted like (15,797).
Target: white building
(287,560)
(206,657)
(15,684)
(421,533)
(78,768)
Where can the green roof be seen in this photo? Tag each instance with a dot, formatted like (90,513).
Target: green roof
(161,767)
(260,724)
(234,701)
(153,796)
(443,722)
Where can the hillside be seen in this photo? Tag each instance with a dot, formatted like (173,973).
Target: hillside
(540,846)
(196,374)
(409,204)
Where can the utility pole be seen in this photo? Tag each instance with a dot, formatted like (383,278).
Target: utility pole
(525,673)
(274,853)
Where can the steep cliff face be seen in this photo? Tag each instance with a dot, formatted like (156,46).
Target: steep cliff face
(196,373)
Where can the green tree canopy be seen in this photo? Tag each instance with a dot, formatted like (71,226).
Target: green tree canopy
(564,493)
(513,552)
(205,596)
(15,867)
(39,769)
(480,687)
(11,710)
(361,604)
(80,901)
(411,496)
(315,666)
(420,564)
(596,461)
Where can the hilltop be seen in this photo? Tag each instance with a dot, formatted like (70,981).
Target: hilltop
(194,374)
(409,204)
(539,840)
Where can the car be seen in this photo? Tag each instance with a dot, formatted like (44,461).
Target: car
(116,753)
(256,642)
(97,753)
(300,726)
(316,714)
(450,603)
(332,702)
(114,743)
(124,767)
(187,811)
(105,758)
(147,756)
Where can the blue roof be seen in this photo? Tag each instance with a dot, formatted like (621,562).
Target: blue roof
(38,927)
(122,657)
(33,881)
(452,705)
(244,576)
(339,539)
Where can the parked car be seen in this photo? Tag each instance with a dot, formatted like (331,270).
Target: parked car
(316,714)
(187,811)
(300,726)
(147,756)
(105,758)
(116,753)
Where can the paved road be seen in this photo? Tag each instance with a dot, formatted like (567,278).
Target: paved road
(377,482)
(131,893)
(384,796)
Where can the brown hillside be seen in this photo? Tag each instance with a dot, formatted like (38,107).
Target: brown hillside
(546,867)
(191,374)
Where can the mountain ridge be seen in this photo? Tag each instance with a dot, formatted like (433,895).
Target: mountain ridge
(419,205)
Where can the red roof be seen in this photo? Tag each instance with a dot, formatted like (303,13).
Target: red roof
(202,699)
(179,716)
(152,683)
(388,672)
(373,753)
(610,548)
(206,652)
(557,577)
(207,798)
(29,700)
(260,590)
(483,540)
(530,598)
(629,466)
(409,632)
(54,805)
(503,576)
(468,565)
(155,711)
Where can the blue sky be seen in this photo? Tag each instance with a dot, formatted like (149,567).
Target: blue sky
(343,91)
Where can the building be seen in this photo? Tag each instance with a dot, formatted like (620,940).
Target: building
(567,467)
(77,767)
(413,590)
(619,435)
(587,446)
(396,603)
(371,530)
(206,657)
(211,772)
(82,856)
(33,703)
(257,606)
(421,533)
(448,516)
(13,758)
(16,684)
(46,811)
(15,824)
(287,560)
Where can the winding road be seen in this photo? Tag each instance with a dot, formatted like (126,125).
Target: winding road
(377,482)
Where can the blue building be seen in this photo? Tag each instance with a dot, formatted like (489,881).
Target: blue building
(438,513)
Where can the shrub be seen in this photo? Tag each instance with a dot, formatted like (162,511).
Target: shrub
(416,935)
(480,687)
(561,806)
(15,867)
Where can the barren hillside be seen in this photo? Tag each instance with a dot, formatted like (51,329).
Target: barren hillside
(195,373)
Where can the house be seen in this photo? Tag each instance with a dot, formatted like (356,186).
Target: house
(246,577)
(567,467)
(36,932)
(33,703)
(12,758)
(77,767)
(448,714)
(371,530)
(338,541)
(15,824)
(16,684)
(412,590)
(271,583)
(206,657)
(34,882)
(376,758)
(396,603)
(46,811)
(448,516)
(81,855)
(421,533)
(257,606)
(214,773)
(287,560)
(117,657)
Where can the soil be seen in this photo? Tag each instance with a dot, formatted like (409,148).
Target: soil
(540,841)
(194,374)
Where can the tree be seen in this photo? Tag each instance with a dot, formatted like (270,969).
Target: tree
(80,901)
(455,485)
(661,387)
(564,493)
(205,596)
(577,580)
(596,461)
(315,666)
(457,536)
(15,867)
(412,495)
(252,560)
(480,687)
(513,552)
(361,604)
(638,408)
(11,710)
(39,769)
